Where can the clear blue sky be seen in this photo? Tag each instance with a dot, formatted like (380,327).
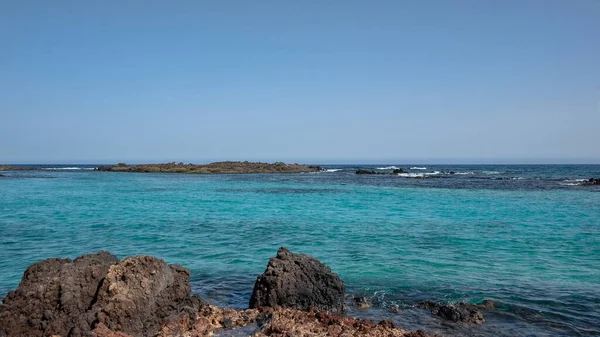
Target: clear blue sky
(309,81)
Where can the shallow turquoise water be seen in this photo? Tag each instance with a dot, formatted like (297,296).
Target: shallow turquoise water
(536,251)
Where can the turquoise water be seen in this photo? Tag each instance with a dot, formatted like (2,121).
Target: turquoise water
(527,237)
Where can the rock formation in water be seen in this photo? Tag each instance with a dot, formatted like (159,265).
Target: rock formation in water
(17,168)
(98,295)
(226,167)
(298,281)
(592,181)
(465,313)
(395,171)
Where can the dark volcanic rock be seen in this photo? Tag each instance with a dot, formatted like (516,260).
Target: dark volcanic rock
(365,172)
(298,281)
(53,296)
(69,298)
(592,181)
(395,171)
(460,312)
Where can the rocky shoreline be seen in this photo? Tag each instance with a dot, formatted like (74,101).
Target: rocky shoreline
(142,296)
(226,167)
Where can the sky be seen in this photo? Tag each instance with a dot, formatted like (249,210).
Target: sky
(300,81)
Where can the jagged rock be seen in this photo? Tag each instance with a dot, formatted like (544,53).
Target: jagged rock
(53,296)
(397,171)
(71,298)
(460,312)
(140,293)
(298,281)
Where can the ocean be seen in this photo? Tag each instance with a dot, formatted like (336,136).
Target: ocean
(526,236)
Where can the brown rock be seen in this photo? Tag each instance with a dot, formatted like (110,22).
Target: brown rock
(140,293)
(53,297)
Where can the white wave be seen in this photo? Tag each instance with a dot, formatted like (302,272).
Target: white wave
(492,172)
(464,173)
(418,168)
(412,175)
(332,170)
(573,182)
(388,168)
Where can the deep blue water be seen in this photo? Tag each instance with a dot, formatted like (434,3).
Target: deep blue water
(526,236)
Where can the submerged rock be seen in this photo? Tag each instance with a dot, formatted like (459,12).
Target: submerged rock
(466,313)
(298,281)
(361,302)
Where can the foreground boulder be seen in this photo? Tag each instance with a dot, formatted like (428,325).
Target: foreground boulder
(464,313)
(140,293)
(298,281)
(70,298)
(54,296)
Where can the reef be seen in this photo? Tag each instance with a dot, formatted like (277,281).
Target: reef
(226,167)
(592,182)
(17,168)
(395,171)
(143,296)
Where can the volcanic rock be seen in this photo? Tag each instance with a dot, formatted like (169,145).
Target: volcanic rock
(298,281)
(70,298)
(466,313)
(592,181)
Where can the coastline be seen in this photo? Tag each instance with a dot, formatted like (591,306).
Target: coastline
(142,296)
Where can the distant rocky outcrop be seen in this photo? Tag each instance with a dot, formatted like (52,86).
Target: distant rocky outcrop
(17,168)
(226,167)
(465,313)
(298,281)
(395,171)
(592,181)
